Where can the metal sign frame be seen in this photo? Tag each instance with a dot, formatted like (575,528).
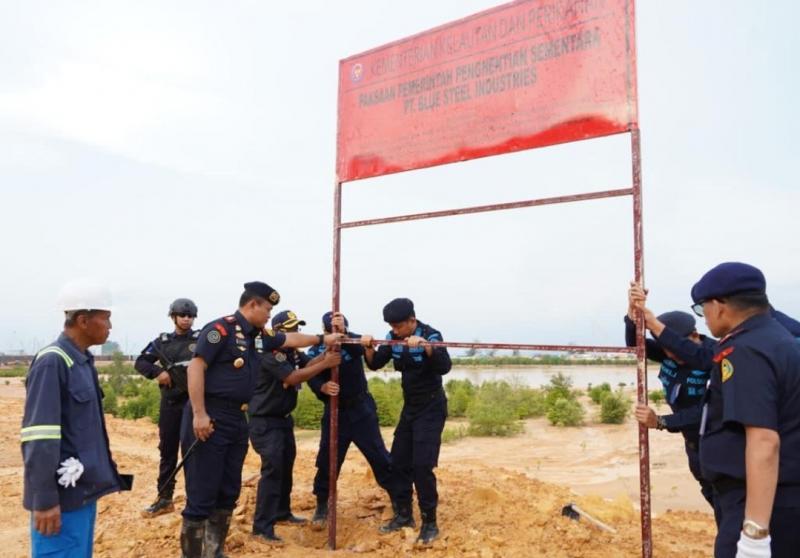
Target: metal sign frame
(635,191)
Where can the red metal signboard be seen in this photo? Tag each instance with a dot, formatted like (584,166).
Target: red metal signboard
(522,75)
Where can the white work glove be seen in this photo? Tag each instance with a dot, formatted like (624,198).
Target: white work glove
(70,471)
(753,548)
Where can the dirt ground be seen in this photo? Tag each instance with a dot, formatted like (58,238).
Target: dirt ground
(498,497)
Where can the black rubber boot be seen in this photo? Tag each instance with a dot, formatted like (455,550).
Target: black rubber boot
(192,535)
(429,531)
(216,532)
(402,518)
(160,507)
(320,515)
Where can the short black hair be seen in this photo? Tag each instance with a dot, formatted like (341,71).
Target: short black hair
(747,301)
(247,296)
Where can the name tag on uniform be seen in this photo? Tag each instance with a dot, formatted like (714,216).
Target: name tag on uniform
(259,343)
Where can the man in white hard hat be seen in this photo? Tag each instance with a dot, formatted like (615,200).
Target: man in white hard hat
(65,449)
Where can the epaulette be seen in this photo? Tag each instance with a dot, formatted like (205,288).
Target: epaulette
(722,354)
(164,337)
(230,319)
(268,332)
(196,334)
(221,328)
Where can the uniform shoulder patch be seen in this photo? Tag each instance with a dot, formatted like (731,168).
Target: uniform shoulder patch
(164,337)
(230,319)
(722,354)
(727,369)
(280,356)
(213,336)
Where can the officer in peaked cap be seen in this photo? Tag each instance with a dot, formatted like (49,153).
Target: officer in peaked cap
(278,380)
(684,385)
(750,437)
(418,436)
(221,378)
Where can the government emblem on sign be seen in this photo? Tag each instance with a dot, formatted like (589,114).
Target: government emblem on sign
(356,72)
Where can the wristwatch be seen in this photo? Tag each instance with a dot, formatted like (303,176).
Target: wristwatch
(661,424)
(754,530)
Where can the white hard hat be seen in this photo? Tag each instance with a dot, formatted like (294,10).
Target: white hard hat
(84,294)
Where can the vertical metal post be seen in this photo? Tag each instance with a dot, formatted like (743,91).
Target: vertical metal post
(333,402)
(641,358)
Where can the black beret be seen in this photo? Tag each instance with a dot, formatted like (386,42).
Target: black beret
(727,279)
(263,290)
(398,310)
(681,323)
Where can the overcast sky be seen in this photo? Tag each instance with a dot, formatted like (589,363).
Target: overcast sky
(183,148)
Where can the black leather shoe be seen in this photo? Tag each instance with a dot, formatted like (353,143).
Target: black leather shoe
(292,519)
(160,507)
(269,537)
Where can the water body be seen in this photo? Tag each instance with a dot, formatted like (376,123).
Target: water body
(538,376)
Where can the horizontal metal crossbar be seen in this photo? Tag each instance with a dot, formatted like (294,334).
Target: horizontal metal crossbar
(493,207)
(511,346)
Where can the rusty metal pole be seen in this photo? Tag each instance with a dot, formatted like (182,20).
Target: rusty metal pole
(641,358)
(333,401)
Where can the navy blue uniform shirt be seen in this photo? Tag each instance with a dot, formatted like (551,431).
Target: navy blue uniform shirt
(63,418)
(421,374)
(221,344)
(684,385)
(755,382)
(352,380)
(271,399)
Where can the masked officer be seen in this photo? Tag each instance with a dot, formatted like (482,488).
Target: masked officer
(165,360)
(696,355)
(272,426)
(684,386)
(418,436)
(358,416)
(65,449)
(750,445)
(221,380)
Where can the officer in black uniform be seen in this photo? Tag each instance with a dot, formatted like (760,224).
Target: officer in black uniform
(272,425)
(358,416)
(165,360)
(221,380)
(418,436)
(684,386)
(750,445)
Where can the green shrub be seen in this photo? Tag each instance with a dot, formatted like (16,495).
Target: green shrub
(528,402)
(388,398)
(565,412)
(110,405)
(560,387)
(657,396)
(13,372)
(459,395)
(145,402)
(453,434)
(309,410)
(492,412)
(598,393)
(614,408)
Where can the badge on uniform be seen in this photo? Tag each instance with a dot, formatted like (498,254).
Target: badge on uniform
(727,369)
(192,347)
(280,357)
(213,336)
(238,363)
(259,344)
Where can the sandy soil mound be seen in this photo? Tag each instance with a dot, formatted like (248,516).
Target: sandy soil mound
(486,510)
